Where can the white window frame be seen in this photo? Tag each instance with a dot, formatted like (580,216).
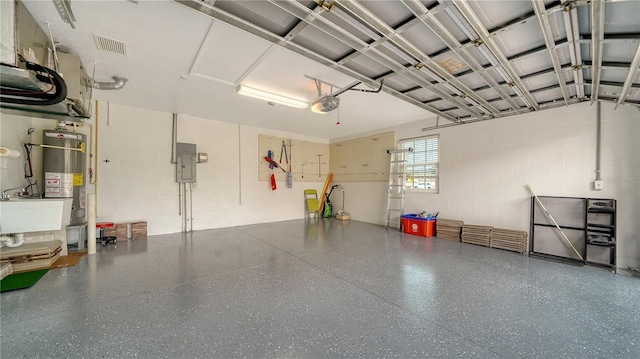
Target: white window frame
(410,161)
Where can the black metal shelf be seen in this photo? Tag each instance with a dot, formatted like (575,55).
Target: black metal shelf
(601,244)
(598,220)
(598,225)
(601,210)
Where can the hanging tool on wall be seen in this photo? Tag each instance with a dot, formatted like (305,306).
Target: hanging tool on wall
(554,221)
(274,164)
(283,149)
(273,182)
(270,155)
(319,169)
(290,174)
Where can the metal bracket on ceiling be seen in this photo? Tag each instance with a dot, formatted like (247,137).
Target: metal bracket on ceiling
(326,4)
(319,87)
(65,12)
(368,91)
(319,84)
(342,90)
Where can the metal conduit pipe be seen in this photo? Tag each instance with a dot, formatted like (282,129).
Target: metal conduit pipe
(174,138)
(598,139)
(116,85)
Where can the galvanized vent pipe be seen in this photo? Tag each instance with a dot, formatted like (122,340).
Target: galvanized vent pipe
(116,85)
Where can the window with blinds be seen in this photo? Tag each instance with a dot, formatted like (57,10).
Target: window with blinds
(422,164)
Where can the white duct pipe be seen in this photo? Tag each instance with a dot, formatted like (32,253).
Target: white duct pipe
(118,84)
(91,224)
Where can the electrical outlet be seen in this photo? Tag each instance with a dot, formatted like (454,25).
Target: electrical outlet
(598,184)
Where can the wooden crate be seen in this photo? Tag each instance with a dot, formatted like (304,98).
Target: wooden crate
(475,234)
(121,232)
(139,230)
(449,229)
(509,239)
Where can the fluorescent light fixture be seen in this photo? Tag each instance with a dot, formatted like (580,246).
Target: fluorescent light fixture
(267,96)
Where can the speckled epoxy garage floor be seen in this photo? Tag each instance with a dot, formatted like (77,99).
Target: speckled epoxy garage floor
(328,289)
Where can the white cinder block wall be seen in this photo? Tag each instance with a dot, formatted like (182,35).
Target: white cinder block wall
(138,182)
(485,167)
(13,133)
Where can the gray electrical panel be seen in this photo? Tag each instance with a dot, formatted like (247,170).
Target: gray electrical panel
(186,157)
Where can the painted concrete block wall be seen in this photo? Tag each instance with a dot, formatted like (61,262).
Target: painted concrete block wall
(138,182)
(13,133)
(485,167)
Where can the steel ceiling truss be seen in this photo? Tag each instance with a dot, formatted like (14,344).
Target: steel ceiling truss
(634,69)
(236,21)
(545,27)
(570,16)
(494,53)
(507,87)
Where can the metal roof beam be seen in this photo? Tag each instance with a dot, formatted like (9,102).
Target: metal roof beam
(494,49)
(609,65)
(613,84)
(532,75)
(615,100)
(387,31)
(429,20)
(550,87)
(623,36)
(517,22)
(631,77)
(545,27)
(570,16)
(242,24)
(597,38)
(302,12)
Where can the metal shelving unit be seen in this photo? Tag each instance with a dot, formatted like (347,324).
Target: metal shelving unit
(588,222)
(600,224)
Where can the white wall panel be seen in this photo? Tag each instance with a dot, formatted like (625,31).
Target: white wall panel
(138,182)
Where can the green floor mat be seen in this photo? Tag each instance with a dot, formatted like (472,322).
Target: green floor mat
(21,280)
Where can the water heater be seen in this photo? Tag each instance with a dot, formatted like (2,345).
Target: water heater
(64,168)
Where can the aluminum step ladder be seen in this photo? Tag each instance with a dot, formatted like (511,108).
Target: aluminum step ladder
(396,191)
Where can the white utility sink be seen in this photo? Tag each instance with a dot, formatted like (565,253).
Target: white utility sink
(30,215)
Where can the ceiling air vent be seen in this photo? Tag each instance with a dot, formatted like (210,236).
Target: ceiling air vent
(110,45)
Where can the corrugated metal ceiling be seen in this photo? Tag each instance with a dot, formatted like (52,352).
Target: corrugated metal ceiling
(463,60)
